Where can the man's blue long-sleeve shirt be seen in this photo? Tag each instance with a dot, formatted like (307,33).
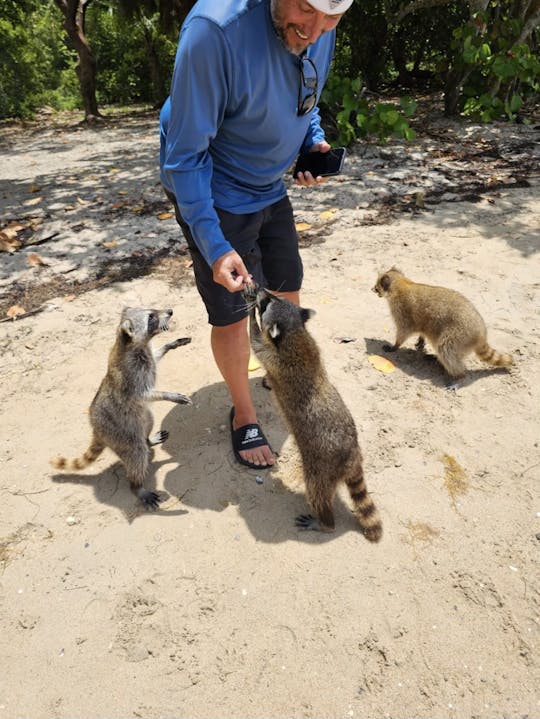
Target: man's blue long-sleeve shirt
(230,129)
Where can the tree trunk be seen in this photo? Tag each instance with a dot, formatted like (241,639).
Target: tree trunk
(530,18)
(453,87)
(457,75)
(159,89)
(172,14)
(74,12)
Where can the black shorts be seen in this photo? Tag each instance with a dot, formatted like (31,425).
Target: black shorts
(268,245)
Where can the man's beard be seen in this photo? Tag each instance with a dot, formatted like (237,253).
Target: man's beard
(281,29)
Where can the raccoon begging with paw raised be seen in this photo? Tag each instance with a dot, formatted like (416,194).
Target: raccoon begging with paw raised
(447,319)
(119,414)
(322,425)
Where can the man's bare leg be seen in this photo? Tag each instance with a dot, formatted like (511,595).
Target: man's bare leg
(231,348)
(230,345)
(293,297)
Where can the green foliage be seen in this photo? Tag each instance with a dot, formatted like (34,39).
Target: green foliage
(37,65)
(118,51)
(487,73)
(33,60)
(123,47)
(66,95)
(500,72)
(373,45)
(362,48)
(357,117)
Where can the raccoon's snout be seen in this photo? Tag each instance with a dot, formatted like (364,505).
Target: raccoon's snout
(164,320)
(250,292)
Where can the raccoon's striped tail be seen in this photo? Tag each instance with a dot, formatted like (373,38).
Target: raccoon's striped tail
(364,508)
(92,453)
(492,357)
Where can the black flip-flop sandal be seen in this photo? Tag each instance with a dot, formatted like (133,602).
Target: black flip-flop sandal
(249,436)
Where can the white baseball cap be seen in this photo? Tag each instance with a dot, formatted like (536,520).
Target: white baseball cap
(331,7)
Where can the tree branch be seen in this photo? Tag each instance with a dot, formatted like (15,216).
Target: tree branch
(413,6)
(529,26)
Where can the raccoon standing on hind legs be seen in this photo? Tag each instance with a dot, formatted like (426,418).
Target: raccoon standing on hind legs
(119,414)
(447,319)
(322,425)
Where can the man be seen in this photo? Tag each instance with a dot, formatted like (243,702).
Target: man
(247,78)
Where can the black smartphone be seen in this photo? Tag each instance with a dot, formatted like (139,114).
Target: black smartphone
(323,164)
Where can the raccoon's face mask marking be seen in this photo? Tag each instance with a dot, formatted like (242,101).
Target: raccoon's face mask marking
(264,301)
(279,316)
(384,281)
(383,284)
(141,324)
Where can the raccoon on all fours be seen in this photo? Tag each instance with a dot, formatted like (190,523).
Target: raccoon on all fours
(119,414)
(322,425)
(445,317)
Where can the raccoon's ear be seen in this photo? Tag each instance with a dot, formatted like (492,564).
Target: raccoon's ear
(274,331)
(306,314)
(385,282)
(127,328)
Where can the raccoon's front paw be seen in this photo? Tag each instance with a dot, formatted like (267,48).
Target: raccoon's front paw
(179,342)
(149,499)
(158,437)
(389,348)
(180,398)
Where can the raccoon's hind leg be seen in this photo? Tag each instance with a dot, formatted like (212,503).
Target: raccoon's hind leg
(450,354)
(451,362)
(320,501)
(136,460)
(137,471)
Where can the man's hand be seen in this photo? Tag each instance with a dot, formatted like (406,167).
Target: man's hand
(229,271)
(306,179)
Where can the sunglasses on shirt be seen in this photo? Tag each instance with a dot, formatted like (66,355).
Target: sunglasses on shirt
(307,92)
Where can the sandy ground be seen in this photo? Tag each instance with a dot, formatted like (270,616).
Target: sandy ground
(216,605)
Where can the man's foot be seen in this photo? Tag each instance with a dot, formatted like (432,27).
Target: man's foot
(250,446)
